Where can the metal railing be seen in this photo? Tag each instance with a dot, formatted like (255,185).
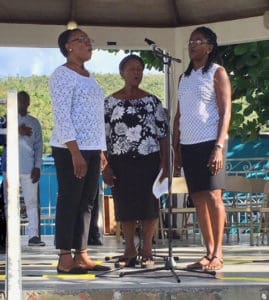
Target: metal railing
(248,167)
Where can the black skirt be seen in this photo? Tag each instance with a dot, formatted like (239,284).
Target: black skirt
(132,192)
(198,176)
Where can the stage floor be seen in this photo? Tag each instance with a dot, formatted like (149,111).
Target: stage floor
(245,274)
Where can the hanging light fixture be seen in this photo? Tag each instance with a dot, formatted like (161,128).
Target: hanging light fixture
(72,24)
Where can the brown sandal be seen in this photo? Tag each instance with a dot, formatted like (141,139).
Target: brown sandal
(216,263)
(199,265)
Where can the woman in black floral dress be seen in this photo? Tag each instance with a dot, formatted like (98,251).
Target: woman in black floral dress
(136,132)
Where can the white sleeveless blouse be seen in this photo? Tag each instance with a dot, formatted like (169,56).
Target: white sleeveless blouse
(199,114)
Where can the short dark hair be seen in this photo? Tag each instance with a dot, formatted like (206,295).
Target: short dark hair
(23,95)
(130,57)
(64,38)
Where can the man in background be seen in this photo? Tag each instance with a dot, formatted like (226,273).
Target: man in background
(30,161)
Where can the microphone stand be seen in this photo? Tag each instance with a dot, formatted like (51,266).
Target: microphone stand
(170,261)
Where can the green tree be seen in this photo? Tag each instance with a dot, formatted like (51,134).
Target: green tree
(41,106)
(248,66)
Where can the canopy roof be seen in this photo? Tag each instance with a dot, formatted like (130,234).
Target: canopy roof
(129,13)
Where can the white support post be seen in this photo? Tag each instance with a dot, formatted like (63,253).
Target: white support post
(13,265)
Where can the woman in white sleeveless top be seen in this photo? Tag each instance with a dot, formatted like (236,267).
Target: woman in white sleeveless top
(200,139)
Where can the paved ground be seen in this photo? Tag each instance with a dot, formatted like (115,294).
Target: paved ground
(244,276)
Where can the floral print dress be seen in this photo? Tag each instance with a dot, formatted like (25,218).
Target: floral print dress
(133,132)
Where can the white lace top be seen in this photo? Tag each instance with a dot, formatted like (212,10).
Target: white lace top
(199,114)
(78,110)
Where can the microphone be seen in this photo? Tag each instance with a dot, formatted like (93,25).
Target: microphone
(153,46)
(150,42)
(159,52)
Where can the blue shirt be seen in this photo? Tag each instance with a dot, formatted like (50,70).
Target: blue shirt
(30,147)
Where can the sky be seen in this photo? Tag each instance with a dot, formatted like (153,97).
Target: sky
(42,61)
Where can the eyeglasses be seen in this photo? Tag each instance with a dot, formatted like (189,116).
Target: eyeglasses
(197,42)
(83,40)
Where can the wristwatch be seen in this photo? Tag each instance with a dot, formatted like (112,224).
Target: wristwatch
(219,146)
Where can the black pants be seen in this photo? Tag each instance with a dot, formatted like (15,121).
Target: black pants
(94,229)
(75,198)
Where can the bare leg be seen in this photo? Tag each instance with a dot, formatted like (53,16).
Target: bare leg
(200,200)
(128,229)
(217,216)
(130,252)
(149,229)
(211,215)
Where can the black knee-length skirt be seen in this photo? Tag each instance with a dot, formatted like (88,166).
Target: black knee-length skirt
(198,176)
(132,191)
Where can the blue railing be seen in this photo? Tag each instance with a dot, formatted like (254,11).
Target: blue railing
(249,167)
(48,190)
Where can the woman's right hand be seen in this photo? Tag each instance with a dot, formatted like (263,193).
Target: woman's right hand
(79,164)
(108,176)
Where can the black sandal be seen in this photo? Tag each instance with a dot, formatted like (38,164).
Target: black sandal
(126,262)
(147,262)
(74,270)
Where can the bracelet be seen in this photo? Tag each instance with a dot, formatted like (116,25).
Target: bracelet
(220,146)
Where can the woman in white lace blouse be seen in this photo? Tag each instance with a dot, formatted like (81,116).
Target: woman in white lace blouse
(77,140)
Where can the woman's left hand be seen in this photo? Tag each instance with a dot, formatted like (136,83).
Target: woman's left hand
(215,163)
(108,176)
